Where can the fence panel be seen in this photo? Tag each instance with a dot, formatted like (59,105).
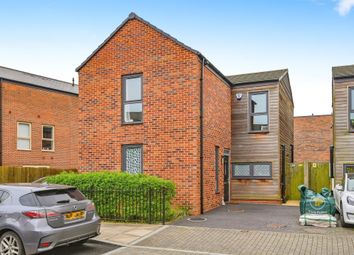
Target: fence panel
(295,177)
(315,175)
(129,205)
(10,174)
(319,176)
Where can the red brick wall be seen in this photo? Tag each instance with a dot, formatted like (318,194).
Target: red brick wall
(217,132)
(39,107)
(312,138)
(170,132)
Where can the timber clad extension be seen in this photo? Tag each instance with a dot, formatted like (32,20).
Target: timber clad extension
(38,125)
(148,103)
(343,118)
(256,154)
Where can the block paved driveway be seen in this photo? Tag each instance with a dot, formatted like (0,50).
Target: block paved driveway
(264,229)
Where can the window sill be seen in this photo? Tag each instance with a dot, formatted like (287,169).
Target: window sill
(252,178)
(48,150)
(258,132)
(132,123)
(24,149)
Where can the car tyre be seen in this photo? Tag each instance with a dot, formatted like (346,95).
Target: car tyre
(341,215)
(10,243)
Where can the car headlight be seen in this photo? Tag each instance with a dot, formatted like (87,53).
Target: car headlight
(350,200)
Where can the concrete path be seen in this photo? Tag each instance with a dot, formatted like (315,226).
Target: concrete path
(174,240)
(124,234)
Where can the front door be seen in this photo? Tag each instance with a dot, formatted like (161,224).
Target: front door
(226,176)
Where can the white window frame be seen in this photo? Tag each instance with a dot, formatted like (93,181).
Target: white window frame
(48,139)
(24,138)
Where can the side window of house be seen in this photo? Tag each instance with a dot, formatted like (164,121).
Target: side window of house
(258,111)
(252,170)
(132,158)
(348,168)
(351,109)
(23,136)
(47,138)
(132,99)
(216,169)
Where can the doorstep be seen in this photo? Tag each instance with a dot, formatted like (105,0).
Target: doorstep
(292,203)
(125,233)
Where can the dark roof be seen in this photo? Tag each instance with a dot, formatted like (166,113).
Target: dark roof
(340,72)
(37,80)
(249,78)
(135,16)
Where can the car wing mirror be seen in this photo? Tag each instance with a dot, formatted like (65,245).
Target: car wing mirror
(339,187)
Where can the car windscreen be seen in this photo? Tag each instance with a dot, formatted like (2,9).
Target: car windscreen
(350,184)
(59,196)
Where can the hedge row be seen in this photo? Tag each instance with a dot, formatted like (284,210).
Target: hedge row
(122,196)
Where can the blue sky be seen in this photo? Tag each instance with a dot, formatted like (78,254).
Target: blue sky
(52,38)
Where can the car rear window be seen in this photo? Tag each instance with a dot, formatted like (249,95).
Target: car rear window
(60,196)
(28,200)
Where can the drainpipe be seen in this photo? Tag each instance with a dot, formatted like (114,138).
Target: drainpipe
(201,138)
(331,165)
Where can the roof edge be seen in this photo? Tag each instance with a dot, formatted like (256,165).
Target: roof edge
(38,86)
(41,76)
(132,16)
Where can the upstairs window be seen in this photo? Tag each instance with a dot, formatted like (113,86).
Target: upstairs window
(47,138)
(351,109)
(23,136)
(132,99)
(258,112)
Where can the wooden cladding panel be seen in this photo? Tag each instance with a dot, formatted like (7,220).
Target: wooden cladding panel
(343,139)
(249,147)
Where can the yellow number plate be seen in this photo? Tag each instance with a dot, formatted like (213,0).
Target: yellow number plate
(75,215)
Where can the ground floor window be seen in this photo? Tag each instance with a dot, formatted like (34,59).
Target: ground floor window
(252,170)
(132,158)
(348,168)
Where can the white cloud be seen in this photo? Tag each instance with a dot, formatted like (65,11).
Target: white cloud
(344,7)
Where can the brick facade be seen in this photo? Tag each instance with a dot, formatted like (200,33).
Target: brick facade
(38,106)
(170,132)
(313,138)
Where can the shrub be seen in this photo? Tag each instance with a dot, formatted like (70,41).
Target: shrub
(122,196)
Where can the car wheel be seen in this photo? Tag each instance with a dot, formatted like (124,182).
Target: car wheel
(341,215)
(10,243)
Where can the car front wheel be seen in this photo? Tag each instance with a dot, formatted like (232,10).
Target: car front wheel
(341,215)
(10,243)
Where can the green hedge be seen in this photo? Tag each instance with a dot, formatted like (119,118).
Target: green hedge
(122,196)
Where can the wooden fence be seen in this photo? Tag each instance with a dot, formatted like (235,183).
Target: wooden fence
(26,174)
(314,175)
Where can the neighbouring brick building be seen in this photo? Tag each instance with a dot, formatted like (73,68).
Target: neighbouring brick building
(313,138)
(39,121)
(148,103)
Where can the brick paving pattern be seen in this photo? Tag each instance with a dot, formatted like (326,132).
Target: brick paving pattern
(227,241)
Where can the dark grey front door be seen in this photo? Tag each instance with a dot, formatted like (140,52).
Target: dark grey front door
(226,176)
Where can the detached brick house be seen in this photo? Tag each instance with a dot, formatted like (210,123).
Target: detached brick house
(38,121)
(148,103)
(313,138)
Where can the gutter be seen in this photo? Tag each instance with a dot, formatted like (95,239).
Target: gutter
(201,137)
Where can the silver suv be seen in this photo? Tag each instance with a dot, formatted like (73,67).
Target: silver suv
(38,217)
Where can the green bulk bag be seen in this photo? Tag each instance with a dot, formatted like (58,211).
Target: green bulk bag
(316,203)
